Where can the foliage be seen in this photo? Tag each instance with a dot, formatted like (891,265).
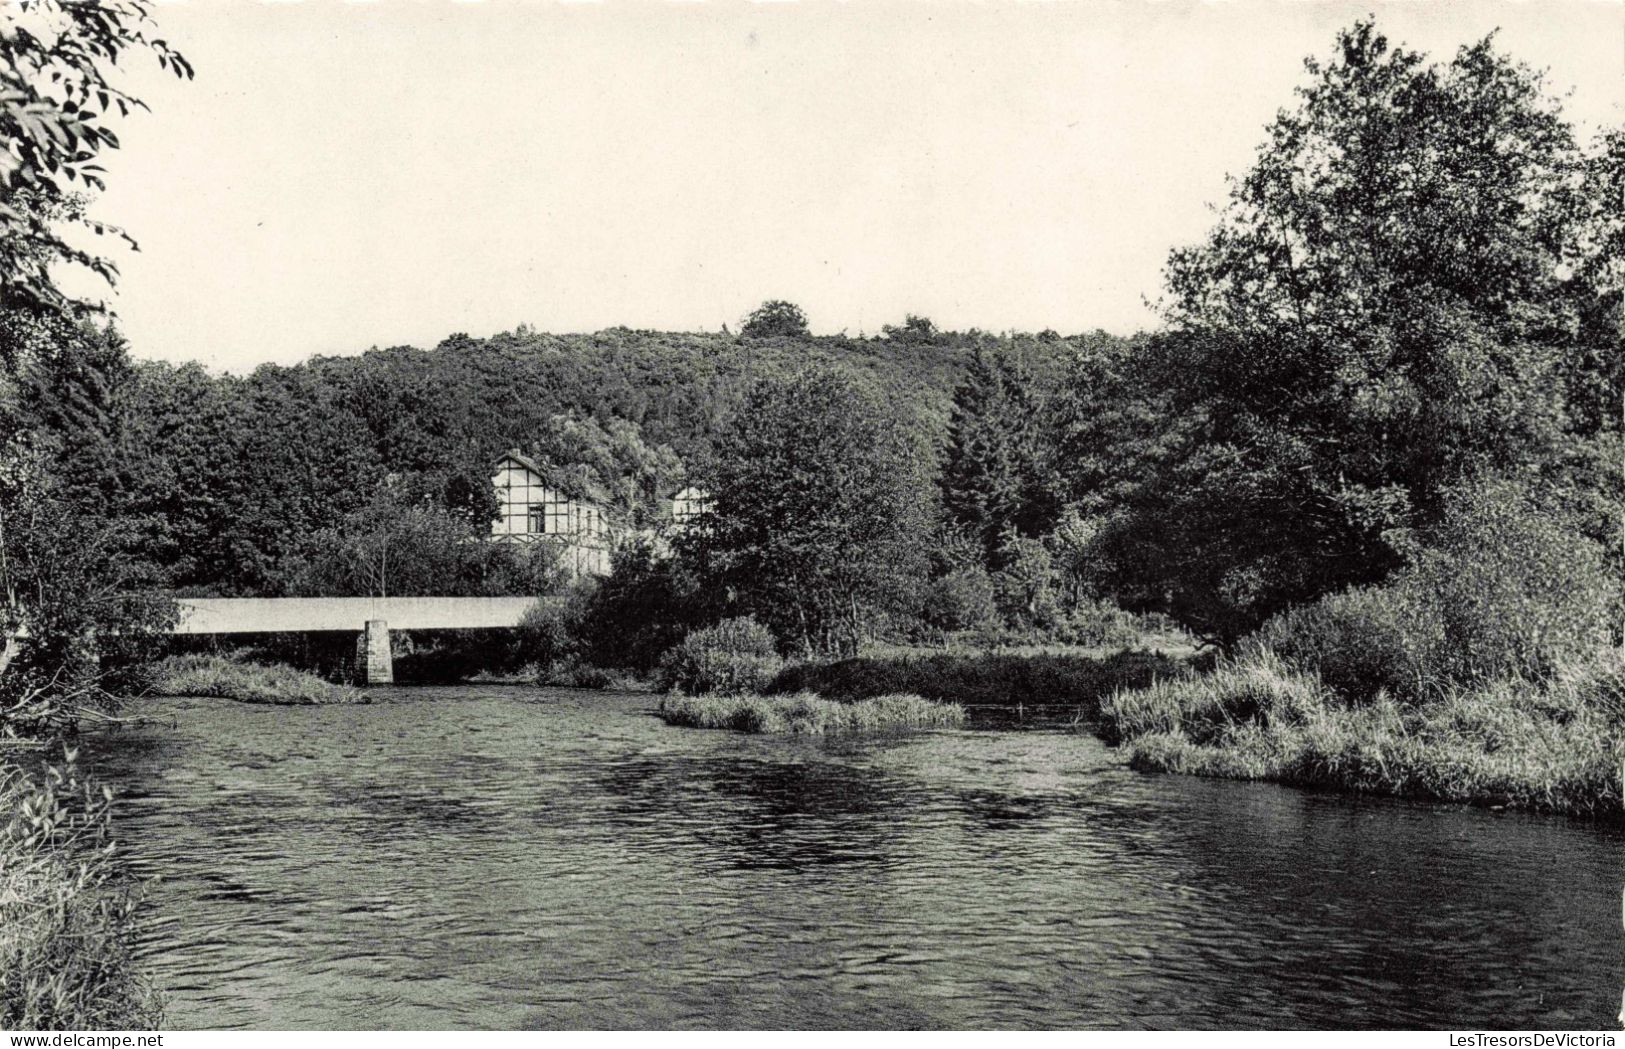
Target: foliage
(1550,746)
(1071,681)
(231,678)
(549,630)
(914,331)
(401,546)
(1393,303)
(992,482)
(56,103)
(775,317)
(962,599)
(1025,587)
(69,594)
(820,514)
(646,604)
(735,657)
(226,477)
(1503,588)
(1100,624)
(614,457)
(68,912)
(805,713)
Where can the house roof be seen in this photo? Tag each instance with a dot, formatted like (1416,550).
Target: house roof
(571,484)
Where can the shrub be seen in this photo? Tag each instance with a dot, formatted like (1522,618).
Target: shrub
(206,675)
(734,657)
(1025,587)
(805,713)
(1504,590)
(547,631)
(1518,590)
(1361,642)
(636,614)
(1261,690)
(1098,624)
(67,912)
(960,600)
(591,677)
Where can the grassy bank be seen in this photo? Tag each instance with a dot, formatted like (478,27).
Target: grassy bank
(67,913)
(807,713)
(1550,745)
(207,675)
(1077,682)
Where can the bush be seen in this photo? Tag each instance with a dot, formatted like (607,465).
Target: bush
(1361,642)
(1261,690)
(1025,587)
(1504,590)
(638,613)
(206,675)
(1518,590)
(960,600)
(547,632)
(734,657)
(1098,624)
(67,912)
(807,713)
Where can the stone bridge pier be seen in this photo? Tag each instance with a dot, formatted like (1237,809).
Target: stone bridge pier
(374,665)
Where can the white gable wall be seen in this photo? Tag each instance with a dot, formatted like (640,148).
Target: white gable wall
(528,509)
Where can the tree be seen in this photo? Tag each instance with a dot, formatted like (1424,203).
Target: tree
(402,543)
(962,599)
(992,481)
(1382,312)
(69,593)
(820,519)
(67,577)
(914,331)
(641,609)
(614,456)
(56,102)
(775,317)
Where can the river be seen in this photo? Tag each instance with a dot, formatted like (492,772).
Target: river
(497,857)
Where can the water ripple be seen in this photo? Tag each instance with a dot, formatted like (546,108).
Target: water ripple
(504,858)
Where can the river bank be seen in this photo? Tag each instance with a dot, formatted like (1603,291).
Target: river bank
(1545,745)
(68,923)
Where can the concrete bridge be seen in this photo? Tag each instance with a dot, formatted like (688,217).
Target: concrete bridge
(373,617)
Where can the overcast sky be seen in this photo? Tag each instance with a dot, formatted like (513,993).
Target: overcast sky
(346,174)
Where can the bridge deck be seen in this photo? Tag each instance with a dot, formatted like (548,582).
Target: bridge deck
(268,615)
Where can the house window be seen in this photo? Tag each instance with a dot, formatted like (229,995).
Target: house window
(551,516)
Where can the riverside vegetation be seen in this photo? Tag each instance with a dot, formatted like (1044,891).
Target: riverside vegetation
(67,911)
(1486,671)
(246,682)
(807,713)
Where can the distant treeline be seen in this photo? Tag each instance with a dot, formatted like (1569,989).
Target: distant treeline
(228,478)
